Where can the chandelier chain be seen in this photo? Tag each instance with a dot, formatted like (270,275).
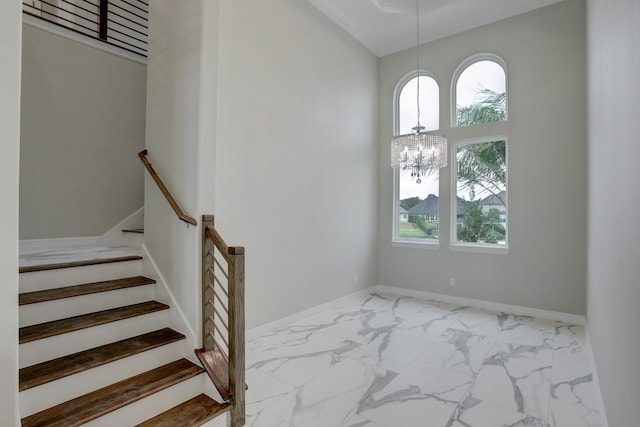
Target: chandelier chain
(418,60)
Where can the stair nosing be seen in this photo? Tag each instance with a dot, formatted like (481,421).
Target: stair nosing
(133,230)
(91,358)
(107,399)
(83,321)
(57,266)
(53,294)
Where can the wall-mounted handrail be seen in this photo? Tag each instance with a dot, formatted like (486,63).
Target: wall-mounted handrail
(223,342)
(165,191)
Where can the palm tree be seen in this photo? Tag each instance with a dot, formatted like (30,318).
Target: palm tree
(483,165)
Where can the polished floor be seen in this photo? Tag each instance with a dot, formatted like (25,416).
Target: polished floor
(389,361)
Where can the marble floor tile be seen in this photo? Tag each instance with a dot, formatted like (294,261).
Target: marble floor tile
(476,413)
(334,397)
(458,350)
(298,358)
(521,384)
(265,419)
(358,421)
(396,349)
(390,361)
(570,338)
(265,390)
(572,380)
(563,414)
(421,395)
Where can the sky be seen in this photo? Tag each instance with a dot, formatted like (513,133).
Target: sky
(487,74)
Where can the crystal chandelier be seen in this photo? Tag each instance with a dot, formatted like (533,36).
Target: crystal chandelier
(419,152)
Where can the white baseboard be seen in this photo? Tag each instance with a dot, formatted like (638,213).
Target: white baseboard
(596,381)
(177,319)
(36,245)
(254,333)
(488,305)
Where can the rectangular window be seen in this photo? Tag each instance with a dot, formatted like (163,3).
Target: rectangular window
(418,211)
(481,190)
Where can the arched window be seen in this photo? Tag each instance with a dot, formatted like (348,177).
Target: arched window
(479,164)
(416,212)
(406,104)
(479,91)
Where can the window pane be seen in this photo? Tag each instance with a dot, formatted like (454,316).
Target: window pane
(481,94)
(418,213)
(429,105)
(481,187)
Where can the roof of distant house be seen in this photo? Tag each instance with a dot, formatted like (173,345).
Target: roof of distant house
(495,199)
(428,206)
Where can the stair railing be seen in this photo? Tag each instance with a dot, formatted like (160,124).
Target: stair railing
(223,352)
(165,191)
(122,23)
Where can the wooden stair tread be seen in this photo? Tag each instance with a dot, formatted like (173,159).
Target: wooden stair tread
(192,413)
(84,289)
(100,402)
(133,230)
(42,373)
(45,267)
(57,327)
(217,368)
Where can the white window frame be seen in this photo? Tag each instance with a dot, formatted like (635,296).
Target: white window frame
(486,248)
(461,68)
(396,241)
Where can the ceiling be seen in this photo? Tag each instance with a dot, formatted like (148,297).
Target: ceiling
(388,26)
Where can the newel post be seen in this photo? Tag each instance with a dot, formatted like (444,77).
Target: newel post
(236,332)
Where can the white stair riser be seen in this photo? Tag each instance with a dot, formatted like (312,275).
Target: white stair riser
(61,345)
(152,405)
(32,314)
(134,240)
(223,420)
(42,397)
(40,280)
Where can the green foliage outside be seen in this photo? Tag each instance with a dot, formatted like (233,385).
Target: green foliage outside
(479,227)
(410,202)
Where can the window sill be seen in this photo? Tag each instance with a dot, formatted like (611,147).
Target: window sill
(480,249)
(414,245)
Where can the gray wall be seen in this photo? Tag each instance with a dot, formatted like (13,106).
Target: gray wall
(546,268)
(614,203)
(83,116)
(178,107)
(10,39)
(297,150)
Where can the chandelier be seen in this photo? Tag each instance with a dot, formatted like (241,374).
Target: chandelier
(419,152)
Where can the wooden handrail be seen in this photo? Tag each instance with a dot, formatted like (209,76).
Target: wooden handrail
(165,190)
(225,250)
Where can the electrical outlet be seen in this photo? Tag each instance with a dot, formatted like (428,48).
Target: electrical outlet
(355,278)
(452,282)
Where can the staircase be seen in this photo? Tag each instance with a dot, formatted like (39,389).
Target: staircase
(96,349)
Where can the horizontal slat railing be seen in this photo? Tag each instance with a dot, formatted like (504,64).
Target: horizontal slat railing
(223,352)
(165,191)
(121,23)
